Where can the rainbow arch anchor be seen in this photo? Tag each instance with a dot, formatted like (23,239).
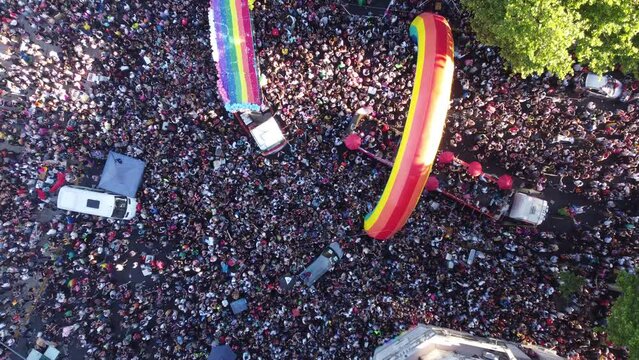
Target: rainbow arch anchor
(423,130)
(234,55)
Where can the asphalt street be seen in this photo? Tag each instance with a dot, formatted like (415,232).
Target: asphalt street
(132,272)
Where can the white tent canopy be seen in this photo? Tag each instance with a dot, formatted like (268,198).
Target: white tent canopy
(528,209)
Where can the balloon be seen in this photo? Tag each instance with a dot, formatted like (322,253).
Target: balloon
(474,169)
(505,182)
(432,184)
(446,157)
(423,129)
(353,142)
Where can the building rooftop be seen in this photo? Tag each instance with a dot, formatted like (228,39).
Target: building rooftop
(425,342)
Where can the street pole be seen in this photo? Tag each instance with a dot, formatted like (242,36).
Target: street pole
(13,351)
(375,157)
(354,142)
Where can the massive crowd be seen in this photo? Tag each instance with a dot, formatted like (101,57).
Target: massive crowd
(217,234)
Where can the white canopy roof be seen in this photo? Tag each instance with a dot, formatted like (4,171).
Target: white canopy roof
(528,209)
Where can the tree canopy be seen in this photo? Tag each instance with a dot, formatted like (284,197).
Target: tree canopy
(623,322)
(538,35)
(569,283)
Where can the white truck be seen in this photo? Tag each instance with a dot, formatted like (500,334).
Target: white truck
(528,209)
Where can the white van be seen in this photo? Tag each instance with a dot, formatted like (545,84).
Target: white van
(96,202)
(528,209)
(603,86)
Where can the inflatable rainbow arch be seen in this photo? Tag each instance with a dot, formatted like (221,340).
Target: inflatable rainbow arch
(234,54)
(423,129)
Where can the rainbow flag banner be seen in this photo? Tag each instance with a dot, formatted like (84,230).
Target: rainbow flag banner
(423,130)
(234,55)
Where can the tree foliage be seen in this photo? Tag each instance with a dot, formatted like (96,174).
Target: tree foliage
(623,322)
(611,35)
(538,35)
(569,283)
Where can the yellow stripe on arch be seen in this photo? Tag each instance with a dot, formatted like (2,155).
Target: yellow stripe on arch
(238,48)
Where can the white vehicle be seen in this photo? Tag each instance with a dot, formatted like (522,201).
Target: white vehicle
(95,78)
(96,202)
(265,130)
(603,86)
(528,209)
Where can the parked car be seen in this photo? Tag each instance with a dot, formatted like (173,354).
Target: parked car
(603,85)
(265,129)
(324,263)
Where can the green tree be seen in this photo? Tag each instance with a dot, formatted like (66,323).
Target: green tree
(611,35)
(538,35)
(623,322)
(569,283)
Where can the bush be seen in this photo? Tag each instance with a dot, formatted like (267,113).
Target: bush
(569,283)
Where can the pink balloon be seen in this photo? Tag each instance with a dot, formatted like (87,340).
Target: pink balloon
(446,157)
(505,182)
(432,183)
(353,142)
(474,169)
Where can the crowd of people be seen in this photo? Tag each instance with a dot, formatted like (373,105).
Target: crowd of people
(212,234)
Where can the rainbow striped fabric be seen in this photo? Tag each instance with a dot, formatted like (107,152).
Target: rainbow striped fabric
(234,55)
(423,130)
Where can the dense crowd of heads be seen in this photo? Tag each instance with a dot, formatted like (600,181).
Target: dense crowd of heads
(217,234)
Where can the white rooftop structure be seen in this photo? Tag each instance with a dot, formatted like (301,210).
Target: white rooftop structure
(425,342)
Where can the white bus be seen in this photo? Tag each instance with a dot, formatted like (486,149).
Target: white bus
(96,202)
